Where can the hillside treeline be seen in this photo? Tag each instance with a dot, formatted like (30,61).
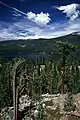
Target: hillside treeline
(40,76)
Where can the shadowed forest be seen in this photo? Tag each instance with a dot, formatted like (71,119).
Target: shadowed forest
(34,78)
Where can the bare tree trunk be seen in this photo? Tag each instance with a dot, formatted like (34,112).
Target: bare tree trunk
(10,94)
(15,90)
(74,114)
(62,75)
(62,80)
(14,94)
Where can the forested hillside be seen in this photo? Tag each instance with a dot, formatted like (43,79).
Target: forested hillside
(32,48)
(24,79)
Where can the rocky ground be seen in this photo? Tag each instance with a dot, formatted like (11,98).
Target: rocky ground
(52,107)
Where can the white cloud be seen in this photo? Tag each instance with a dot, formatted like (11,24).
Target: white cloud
(5,34)
(41,19)
(26,29)
(31,16)
(72,11)
(16,14)
(74,26)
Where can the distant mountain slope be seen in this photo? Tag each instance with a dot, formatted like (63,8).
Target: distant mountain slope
(38,46)
(72,38)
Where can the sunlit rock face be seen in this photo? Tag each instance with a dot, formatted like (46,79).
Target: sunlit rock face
(50,107)
(24,102)
(6,113)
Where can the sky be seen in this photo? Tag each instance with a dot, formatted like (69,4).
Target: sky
(34,19)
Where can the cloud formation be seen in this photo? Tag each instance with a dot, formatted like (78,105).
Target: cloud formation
(41,19)
(16,14)
(72,11)
(30,25)
(28,30)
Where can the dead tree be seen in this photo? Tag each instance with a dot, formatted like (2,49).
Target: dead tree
(15,87)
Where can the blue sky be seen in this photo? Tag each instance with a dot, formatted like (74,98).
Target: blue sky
(33,19)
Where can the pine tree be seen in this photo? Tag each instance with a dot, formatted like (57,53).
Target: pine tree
(65,50)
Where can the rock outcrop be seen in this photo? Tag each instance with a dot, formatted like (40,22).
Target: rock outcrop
(50,107)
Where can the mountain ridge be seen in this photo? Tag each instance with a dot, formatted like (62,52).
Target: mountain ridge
(20,48)
(73,34)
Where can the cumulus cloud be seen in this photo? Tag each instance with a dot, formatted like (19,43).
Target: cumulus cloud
(41,19)
(72,11)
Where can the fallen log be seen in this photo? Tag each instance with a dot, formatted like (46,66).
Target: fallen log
(74,114)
